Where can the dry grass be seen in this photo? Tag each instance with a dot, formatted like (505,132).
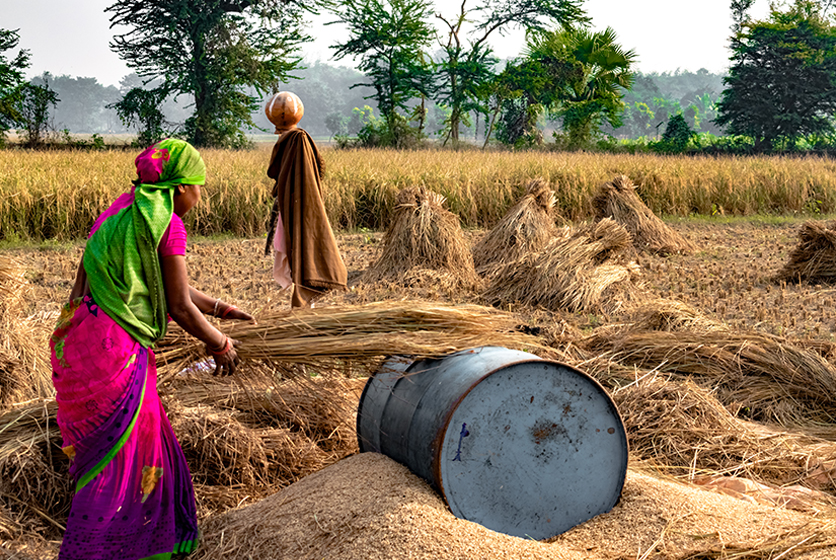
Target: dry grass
(424,236)
(58,195)
(814,258)
(581,270)
(527,228)
(619,201)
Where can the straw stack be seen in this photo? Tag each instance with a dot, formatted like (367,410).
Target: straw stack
(814,258)
(619,201)
(526,228)
(581,270)
(424,236)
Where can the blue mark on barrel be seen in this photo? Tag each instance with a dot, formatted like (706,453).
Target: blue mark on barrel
(464,433)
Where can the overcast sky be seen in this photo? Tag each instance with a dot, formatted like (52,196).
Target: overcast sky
(71,36)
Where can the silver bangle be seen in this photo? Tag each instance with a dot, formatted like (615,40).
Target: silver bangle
(215,311)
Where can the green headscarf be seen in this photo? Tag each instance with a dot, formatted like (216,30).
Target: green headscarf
(121,259)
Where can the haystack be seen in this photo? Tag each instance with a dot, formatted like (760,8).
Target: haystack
(619,201)
(684,430)
(756,376)
(526,228)
(368,506)
(814,258)
(24,370)
(581,270)
(423,235)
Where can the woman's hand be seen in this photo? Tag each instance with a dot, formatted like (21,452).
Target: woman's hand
(233,313)
(226,359)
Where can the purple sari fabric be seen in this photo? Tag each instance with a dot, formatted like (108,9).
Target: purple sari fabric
(134,496)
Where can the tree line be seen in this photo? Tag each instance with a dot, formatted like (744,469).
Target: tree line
(202,69)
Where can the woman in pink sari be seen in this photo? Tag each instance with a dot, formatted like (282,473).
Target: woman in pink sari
(134,498)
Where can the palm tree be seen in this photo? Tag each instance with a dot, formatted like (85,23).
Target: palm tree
(595,71)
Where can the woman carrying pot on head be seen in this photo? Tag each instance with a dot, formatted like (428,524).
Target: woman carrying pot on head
(134,497)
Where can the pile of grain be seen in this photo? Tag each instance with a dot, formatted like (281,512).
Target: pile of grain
(814,258)
(526,228)
(584,269)
(424,236)
(619,201)
(368,506)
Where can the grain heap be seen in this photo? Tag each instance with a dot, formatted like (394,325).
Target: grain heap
(619,201)
(526,228)
(814,258)
(368,506)
(581,270)
(424,244)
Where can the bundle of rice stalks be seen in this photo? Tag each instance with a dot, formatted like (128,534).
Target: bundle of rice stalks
(757,376)
(34,479)
(685,431)
(424,235)
(24,371)
(669,315)
(619,201)
(583,270)
(330,338)
(526,228)
(814,258)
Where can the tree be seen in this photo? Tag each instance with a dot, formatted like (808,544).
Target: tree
(211,50)
(12,80)
(387,36)
(467,68)
(33,111)
(782,82)
(597,71)
(140,109)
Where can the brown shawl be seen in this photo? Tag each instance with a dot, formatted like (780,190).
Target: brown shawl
(315,261)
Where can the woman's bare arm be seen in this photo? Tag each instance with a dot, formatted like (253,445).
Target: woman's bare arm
(184,311)
(80,287)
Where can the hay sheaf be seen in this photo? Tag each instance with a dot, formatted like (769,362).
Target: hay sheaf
(758,376)
(424,235)
(587,269)
(684,430)
(619,201)
(526,228)
(368,506)
(814,258)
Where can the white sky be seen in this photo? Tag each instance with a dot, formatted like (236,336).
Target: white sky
(71,36)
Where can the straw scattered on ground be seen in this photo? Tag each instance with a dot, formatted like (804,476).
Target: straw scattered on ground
(527,228)
(584,269)
(368,506)
(424,235)
(814,258)
(618,200)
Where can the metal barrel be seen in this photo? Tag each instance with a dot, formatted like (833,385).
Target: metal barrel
(521,445)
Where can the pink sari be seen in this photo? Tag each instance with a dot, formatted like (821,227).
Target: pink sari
(134,497)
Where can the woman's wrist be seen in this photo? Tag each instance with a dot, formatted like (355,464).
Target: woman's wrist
(214,348)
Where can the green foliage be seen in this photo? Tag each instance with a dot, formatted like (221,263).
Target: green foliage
(213,51)
(676,138)
(388,37)
(378,132)
(782,83)
(140,109)
(594,72)
(12,80)
(33,112)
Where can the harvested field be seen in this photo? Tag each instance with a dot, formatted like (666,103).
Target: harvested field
(724,379)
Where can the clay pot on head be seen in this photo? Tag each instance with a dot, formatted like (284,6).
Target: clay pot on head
(284,110)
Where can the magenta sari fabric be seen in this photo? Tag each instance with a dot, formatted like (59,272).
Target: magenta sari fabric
(134,497)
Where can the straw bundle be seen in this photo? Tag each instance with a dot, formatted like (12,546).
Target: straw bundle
(24,373)
(814,258)
(671,316)
(762,377)
(619,201)
(526,228)
(329,337)
(684,430)
(582,270)
(424,235)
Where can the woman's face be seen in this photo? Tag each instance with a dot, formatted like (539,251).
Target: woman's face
(187,196)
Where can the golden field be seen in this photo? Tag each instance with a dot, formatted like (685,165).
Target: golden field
(59,194)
